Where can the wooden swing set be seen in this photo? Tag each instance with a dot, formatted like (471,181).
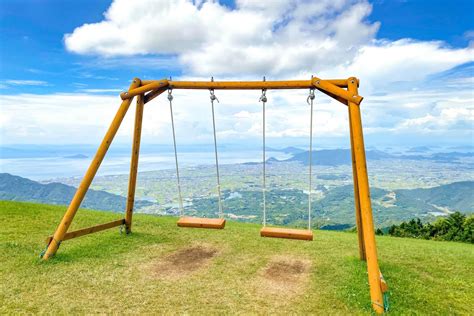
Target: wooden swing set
(342,90)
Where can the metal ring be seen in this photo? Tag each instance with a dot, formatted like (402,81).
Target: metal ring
(263,97)
(311,96)
(213,96)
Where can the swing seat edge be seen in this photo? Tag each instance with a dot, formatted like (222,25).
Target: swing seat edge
(288,233)
(201,222)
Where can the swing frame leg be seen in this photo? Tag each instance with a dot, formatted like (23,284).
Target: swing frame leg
(360,233)
(365,204)
(76,201)
(132,180)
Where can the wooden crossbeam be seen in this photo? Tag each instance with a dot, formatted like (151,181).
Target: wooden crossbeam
(247,85)
(341,83)
(332,87)
(89,230)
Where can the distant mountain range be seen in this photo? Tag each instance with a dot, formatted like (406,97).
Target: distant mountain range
(455,196)
(335,157)
(336,207)
(400,205)
(15,188)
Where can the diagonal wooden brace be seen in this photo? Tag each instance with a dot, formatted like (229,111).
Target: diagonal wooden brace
(337,93)
(88,230)
(153,94)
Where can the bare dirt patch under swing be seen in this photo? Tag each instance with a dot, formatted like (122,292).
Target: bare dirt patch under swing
(285,277)
(184,262)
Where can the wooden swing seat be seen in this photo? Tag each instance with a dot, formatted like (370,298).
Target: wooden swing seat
(199,222)
(275,232)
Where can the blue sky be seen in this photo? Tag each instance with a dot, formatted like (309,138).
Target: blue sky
(424,47)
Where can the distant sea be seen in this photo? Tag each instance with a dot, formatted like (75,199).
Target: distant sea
(51,167)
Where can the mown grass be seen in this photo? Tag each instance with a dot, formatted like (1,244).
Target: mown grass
(112,273)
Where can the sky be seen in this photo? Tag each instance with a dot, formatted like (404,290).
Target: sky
(64,63)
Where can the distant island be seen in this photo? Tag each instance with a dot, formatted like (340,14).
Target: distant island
(286,150)
(76,156)
(335,157)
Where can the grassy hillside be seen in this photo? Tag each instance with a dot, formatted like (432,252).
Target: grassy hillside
(288,206)
(15,188)
(457,195)
(164,269)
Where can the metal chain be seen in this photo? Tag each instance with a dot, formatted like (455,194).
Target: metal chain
(263,99)
(214,98)
(310,100)
(180,196)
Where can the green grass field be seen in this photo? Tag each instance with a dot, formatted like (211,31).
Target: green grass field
(161,268)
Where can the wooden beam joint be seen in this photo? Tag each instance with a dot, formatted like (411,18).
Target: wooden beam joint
(144,88)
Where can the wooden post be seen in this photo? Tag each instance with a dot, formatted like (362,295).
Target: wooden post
(352,87)
(366,208)
(132,180)
(89,176)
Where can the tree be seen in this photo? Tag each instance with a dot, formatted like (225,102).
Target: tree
(455,227)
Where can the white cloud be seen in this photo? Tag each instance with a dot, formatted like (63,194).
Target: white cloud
(281,39)
(453,115)
(266,37)
(57,118)
(100,90)
(292,38)
(383,63)
(26,82)
(82,118)
(445,114)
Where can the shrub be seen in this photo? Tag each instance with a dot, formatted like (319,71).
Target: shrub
(455,227)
